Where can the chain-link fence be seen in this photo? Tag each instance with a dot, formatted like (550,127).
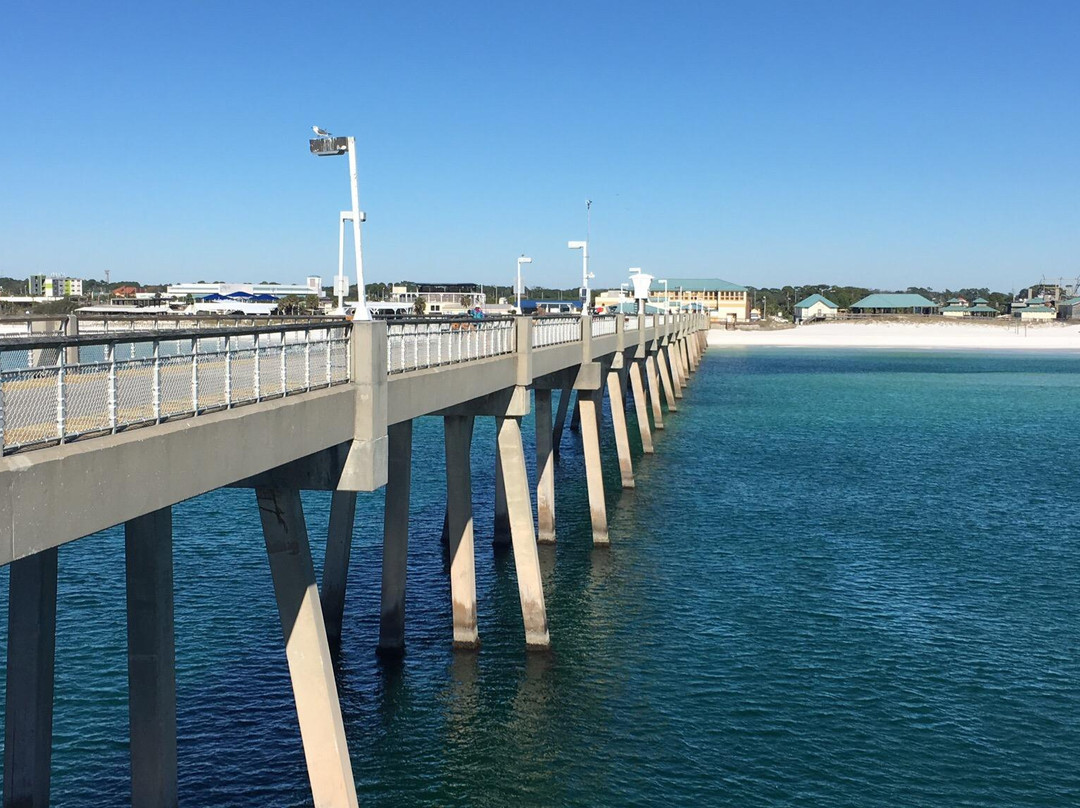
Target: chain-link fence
(57,390)
(418,344)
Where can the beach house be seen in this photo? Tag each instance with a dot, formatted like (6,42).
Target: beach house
(815,307)
(890,303)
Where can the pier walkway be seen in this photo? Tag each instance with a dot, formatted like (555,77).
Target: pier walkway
(168,409)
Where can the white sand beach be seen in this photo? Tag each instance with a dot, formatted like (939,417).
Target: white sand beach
(929,334)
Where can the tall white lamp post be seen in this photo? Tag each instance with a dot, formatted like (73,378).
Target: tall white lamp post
(326,145)
(520,261)
(667,303)
(585,274)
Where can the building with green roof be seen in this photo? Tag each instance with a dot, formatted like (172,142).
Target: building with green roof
(1069,309)
(889,303)
(815,307)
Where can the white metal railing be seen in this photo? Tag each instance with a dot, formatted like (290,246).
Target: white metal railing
(631,322)
(130,322)
(55,390)
(418,344)
(557,330)
(604,325)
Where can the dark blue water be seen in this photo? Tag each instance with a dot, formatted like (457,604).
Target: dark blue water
(845,579)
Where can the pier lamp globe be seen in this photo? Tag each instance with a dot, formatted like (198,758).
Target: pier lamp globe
(520,261)
(325,144)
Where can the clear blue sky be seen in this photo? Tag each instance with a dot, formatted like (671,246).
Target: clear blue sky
(870,143)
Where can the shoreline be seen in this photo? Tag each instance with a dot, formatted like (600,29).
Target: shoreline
(934,335)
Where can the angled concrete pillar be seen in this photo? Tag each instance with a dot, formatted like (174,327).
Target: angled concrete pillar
(575,416)
(395,539)
(560,418)
(526,559)
(594,473)
(336,565)
(151,659)
(675,367)
(545,469)
(306,647)
(689,361)
(618,425)
(501,527)
(653,377)
(640,407)
(667,379)
(458,437)
(30,655)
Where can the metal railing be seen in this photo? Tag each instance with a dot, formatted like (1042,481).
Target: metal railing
(56,389)
(418,344)
(555,330)
(127,323)
(604,324)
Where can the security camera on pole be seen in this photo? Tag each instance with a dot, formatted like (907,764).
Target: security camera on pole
(326,145)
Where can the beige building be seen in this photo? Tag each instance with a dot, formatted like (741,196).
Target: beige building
(722,299)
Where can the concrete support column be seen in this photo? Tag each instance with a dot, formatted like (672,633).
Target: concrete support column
(640,406)
(675,365)
(336,565)
(306,647)
(501,527)
(395,539)
(458,431)
(575,416)
(618,424)
(588,401)
(667,379)
(545,469)
(560,418)
(653,378)
(151,659)
(689,357)
(30,655)
(526,559)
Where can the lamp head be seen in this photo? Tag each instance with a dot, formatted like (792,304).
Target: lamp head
(524,260)
(576,245)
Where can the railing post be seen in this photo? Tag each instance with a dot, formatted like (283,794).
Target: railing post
(110,357)
(523,327)
(307,358)
(586,338)
(228,371)
(156,372)
(284,365)
(1,407)
(195,375)
(61,361)
(258,359)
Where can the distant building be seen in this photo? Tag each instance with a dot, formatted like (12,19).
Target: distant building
(722,299)
(982,308)
(200,290)
(1035,312)
(442,298)
(42,286)
(815,307)
(1069,309)
(887,303)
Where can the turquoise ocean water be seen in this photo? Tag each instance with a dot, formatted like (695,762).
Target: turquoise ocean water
(844,579)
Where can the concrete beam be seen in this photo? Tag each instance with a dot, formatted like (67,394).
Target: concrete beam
(618,424)
(641,411)
(424,392)
(314,690)
(151,659)
(159,466)
(511,401)
(588,402)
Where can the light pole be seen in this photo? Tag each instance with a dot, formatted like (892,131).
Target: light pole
(520,261)
(667,303)
(585,275)
(326,145)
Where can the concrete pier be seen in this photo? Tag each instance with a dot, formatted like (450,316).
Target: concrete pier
(151,659)
(675,368)
(667,379)
(458,438)
(501,526)
(306,647)
(588,402)
(641,411)
(336,564)
(560,418)
(545,468)
(30,656)
(395,540)
(526,559)
(653,376)
(618,424)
